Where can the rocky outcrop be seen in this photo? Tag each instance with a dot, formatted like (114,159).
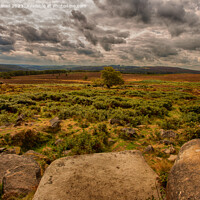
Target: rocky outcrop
(54,124)
(184,179)
(122,175)
(19,175)
(149,149)
(128,133)
(167,134)
(19,120)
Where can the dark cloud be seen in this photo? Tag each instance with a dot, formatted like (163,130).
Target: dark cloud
(172,11)
(92,38)
(89,52)
(32,34)
(188,43)
(6,44)
(6,41)
(174,15)
(68,44)
(29,49)
(124,34)
(107,41)
(162,49)
(93,34)
(2,28)
(150,48)
(6,48)
(83,22)
(133,31)
(41,53)
(127,9)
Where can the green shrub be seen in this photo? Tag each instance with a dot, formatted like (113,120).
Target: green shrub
(192,133)
(191,117)
(29,139)
(191,108)
(170,123)
(86,143)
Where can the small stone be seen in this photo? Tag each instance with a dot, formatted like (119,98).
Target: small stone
(115,122)
(67,153)
(149,149)
(58,142)
(20,119)
(55,122)
(172,158)
(2,149)
(128,133)
(165,142)
(167,151)
(171,150)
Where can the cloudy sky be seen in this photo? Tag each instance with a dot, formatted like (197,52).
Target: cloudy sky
(98,32)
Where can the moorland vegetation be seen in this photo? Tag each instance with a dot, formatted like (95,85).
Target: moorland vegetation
(94,118)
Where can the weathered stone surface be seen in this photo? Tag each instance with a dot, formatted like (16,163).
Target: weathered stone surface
(149,149)
(167,134)
(18,174)
(19,120)
(128,133)
(184,178)
(55,122)
(41,159)
(113,176)
(170,150)
(172,158)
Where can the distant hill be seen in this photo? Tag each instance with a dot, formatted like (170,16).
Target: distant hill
(156,70)
(9,68)
(123,69)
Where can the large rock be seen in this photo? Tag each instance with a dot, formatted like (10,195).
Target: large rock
(113,176)
(19,175)
(184,178)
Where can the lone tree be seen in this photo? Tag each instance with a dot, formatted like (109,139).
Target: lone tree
(111,77)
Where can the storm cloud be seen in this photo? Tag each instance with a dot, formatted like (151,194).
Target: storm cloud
(103,32)
(32,34)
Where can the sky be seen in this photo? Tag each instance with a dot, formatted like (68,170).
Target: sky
(100,32)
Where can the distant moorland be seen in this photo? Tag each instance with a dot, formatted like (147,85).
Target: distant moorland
(123,69)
